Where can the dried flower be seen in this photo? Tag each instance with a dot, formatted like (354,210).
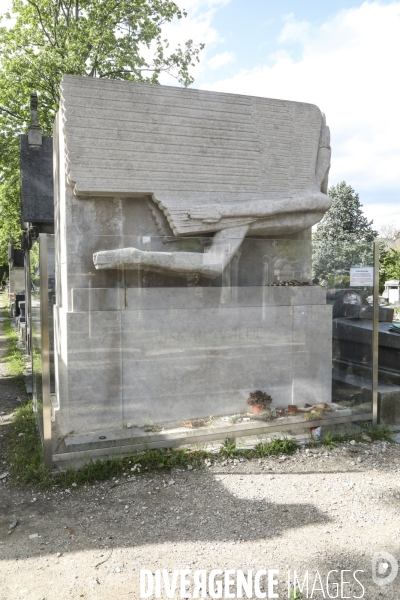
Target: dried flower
(260,399)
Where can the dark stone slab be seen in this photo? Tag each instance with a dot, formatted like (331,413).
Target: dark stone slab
(352,346)
(19,256)
(388,394)
(37,198)
(385,313)
(361,330)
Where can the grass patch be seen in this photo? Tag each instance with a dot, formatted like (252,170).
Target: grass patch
(381,432)
(229,449)
(376,433)
(134,464)
(24,450)
(273,448)
(25,455)
(13,355)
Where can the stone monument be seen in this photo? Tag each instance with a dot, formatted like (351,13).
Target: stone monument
(174,210)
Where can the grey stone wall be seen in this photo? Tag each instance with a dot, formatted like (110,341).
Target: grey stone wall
(136,344)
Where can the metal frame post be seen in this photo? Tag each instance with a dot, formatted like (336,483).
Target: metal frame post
(45,347)
(375,338)
(28,287)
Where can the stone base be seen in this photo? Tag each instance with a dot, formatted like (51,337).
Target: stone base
(172,354)
(388,394)
(176,435)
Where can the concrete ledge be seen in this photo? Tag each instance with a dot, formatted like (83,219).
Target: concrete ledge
(103,299)
(218,430)
(207,297)
(77,458)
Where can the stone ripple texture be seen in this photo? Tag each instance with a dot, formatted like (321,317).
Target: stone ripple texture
(187,147)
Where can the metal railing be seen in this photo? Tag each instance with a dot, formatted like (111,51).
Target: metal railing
(45,350)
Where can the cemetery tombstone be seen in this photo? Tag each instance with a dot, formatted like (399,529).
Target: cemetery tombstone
(170,205)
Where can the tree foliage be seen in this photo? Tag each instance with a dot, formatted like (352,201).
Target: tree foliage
(389,266)
(344,236)
(115,39)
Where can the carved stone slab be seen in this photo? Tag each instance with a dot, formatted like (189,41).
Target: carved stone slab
(37,200)
(211,161)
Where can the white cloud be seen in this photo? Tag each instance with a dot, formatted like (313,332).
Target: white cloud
(220,60)
(294,31)
(280,54)
(4,6)
(349,68)
(197,26)
(383,213)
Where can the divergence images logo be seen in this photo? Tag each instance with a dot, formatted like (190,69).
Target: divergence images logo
(384,568)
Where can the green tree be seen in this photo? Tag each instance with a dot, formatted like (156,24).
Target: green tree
(116,39)
(389,267)
(344,236)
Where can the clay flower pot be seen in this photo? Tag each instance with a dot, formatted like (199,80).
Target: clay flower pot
(292,409)
(257,410)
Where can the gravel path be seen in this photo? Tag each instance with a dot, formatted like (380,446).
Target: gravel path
(316,511)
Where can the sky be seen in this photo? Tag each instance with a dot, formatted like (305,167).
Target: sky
(340,54)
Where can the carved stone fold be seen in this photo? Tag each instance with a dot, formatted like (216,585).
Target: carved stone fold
(210,161)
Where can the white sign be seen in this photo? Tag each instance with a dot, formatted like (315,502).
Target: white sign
(360,276)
